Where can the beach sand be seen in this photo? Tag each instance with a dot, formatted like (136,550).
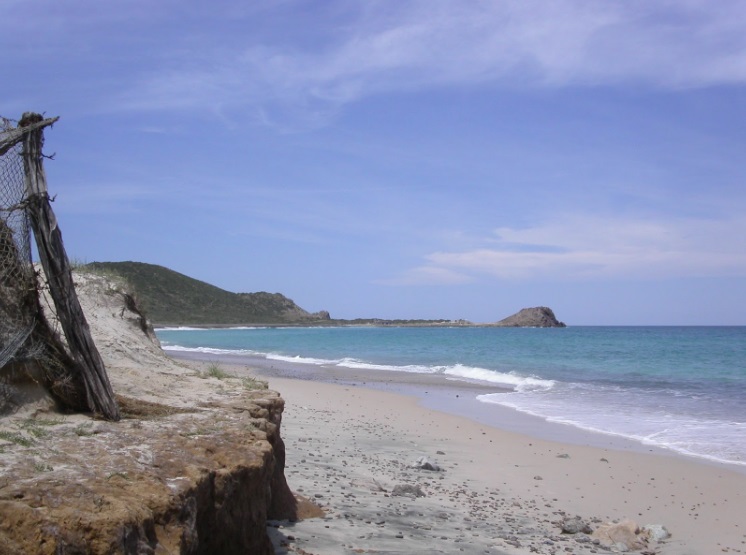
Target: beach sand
(506,480)
(351,444)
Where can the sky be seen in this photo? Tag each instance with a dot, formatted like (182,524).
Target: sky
(402,159)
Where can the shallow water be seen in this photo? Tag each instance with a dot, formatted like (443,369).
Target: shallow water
(683,388)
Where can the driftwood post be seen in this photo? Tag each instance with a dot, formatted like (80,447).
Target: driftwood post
(54,259)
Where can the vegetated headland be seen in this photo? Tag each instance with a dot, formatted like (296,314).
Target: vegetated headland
(170,298)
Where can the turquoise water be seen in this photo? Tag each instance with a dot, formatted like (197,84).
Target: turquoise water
(682,388)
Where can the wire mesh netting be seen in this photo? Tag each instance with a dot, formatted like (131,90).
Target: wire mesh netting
(12,193)
(16,269)
(25,352)
(33,356)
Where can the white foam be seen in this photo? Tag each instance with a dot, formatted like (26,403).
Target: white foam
(358,364)
(519,383)
(299,359)
(459,371)
(208,350)
(187,328)
(714,440)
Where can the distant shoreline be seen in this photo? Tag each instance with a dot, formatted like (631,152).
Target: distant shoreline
(400,324)
(362,323)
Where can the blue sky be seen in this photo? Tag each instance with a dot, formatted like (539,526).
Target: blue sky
(430,159)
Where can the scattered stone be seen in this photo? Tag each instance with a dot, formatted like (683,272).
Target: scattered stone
(423,463)
(622,536)
(655,532)
(575,525)
(407,490)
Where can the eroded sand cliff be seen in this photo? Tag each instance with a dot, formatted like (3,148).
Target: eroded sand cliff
(196,465)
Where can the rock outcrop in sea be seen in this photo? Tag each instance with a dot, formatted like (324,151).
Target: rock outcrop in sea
(537,317)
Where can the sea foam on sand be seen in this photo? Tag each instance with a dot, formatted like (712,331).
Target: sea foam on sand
(349,448)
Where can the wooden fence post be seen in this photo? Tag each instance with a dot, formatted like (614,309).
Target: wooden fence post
(100,396)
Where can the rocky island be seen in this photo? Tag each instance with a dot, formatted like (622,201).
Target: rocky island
(537,317)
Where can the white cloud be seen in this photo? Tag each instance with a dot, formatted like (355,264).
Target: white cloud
(413,45)
(596,247)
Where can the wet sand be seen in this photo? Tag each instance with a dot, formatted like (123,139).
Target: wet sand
(507,481)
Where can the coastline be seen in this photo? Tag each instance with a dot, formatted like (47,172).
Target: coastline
(348,431)
(451,395)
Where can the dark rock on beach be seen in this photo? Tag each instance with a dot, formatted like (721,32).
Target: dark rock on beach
(575,525)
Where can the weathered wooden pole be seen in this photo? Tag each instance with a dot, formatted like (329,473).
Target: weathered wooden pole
(53,257)
(11,137)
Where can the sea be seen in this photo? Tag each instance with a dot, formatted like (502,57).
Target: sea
(677,388)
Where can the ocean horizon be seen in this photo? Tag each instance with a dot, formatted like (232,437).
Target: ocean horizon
(681,388)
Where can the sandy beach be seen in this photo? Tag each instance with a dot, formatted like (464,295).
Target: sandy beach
(352,448)
(397,462)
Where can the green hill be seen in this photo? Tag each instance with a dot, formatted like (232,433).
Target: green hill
(170,298)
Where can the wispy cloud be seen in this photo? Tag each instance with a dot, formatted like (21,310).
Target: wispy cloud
(109,197)
(285,64)
(596,247)
(414,45)
(429,275)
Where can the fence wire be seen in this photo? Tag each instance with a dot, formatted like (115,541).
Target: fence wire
(34,359)
(17,279)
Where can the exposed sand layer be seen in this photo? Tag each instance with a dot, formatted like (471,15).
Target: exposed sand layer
(350,448)
(195,465)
